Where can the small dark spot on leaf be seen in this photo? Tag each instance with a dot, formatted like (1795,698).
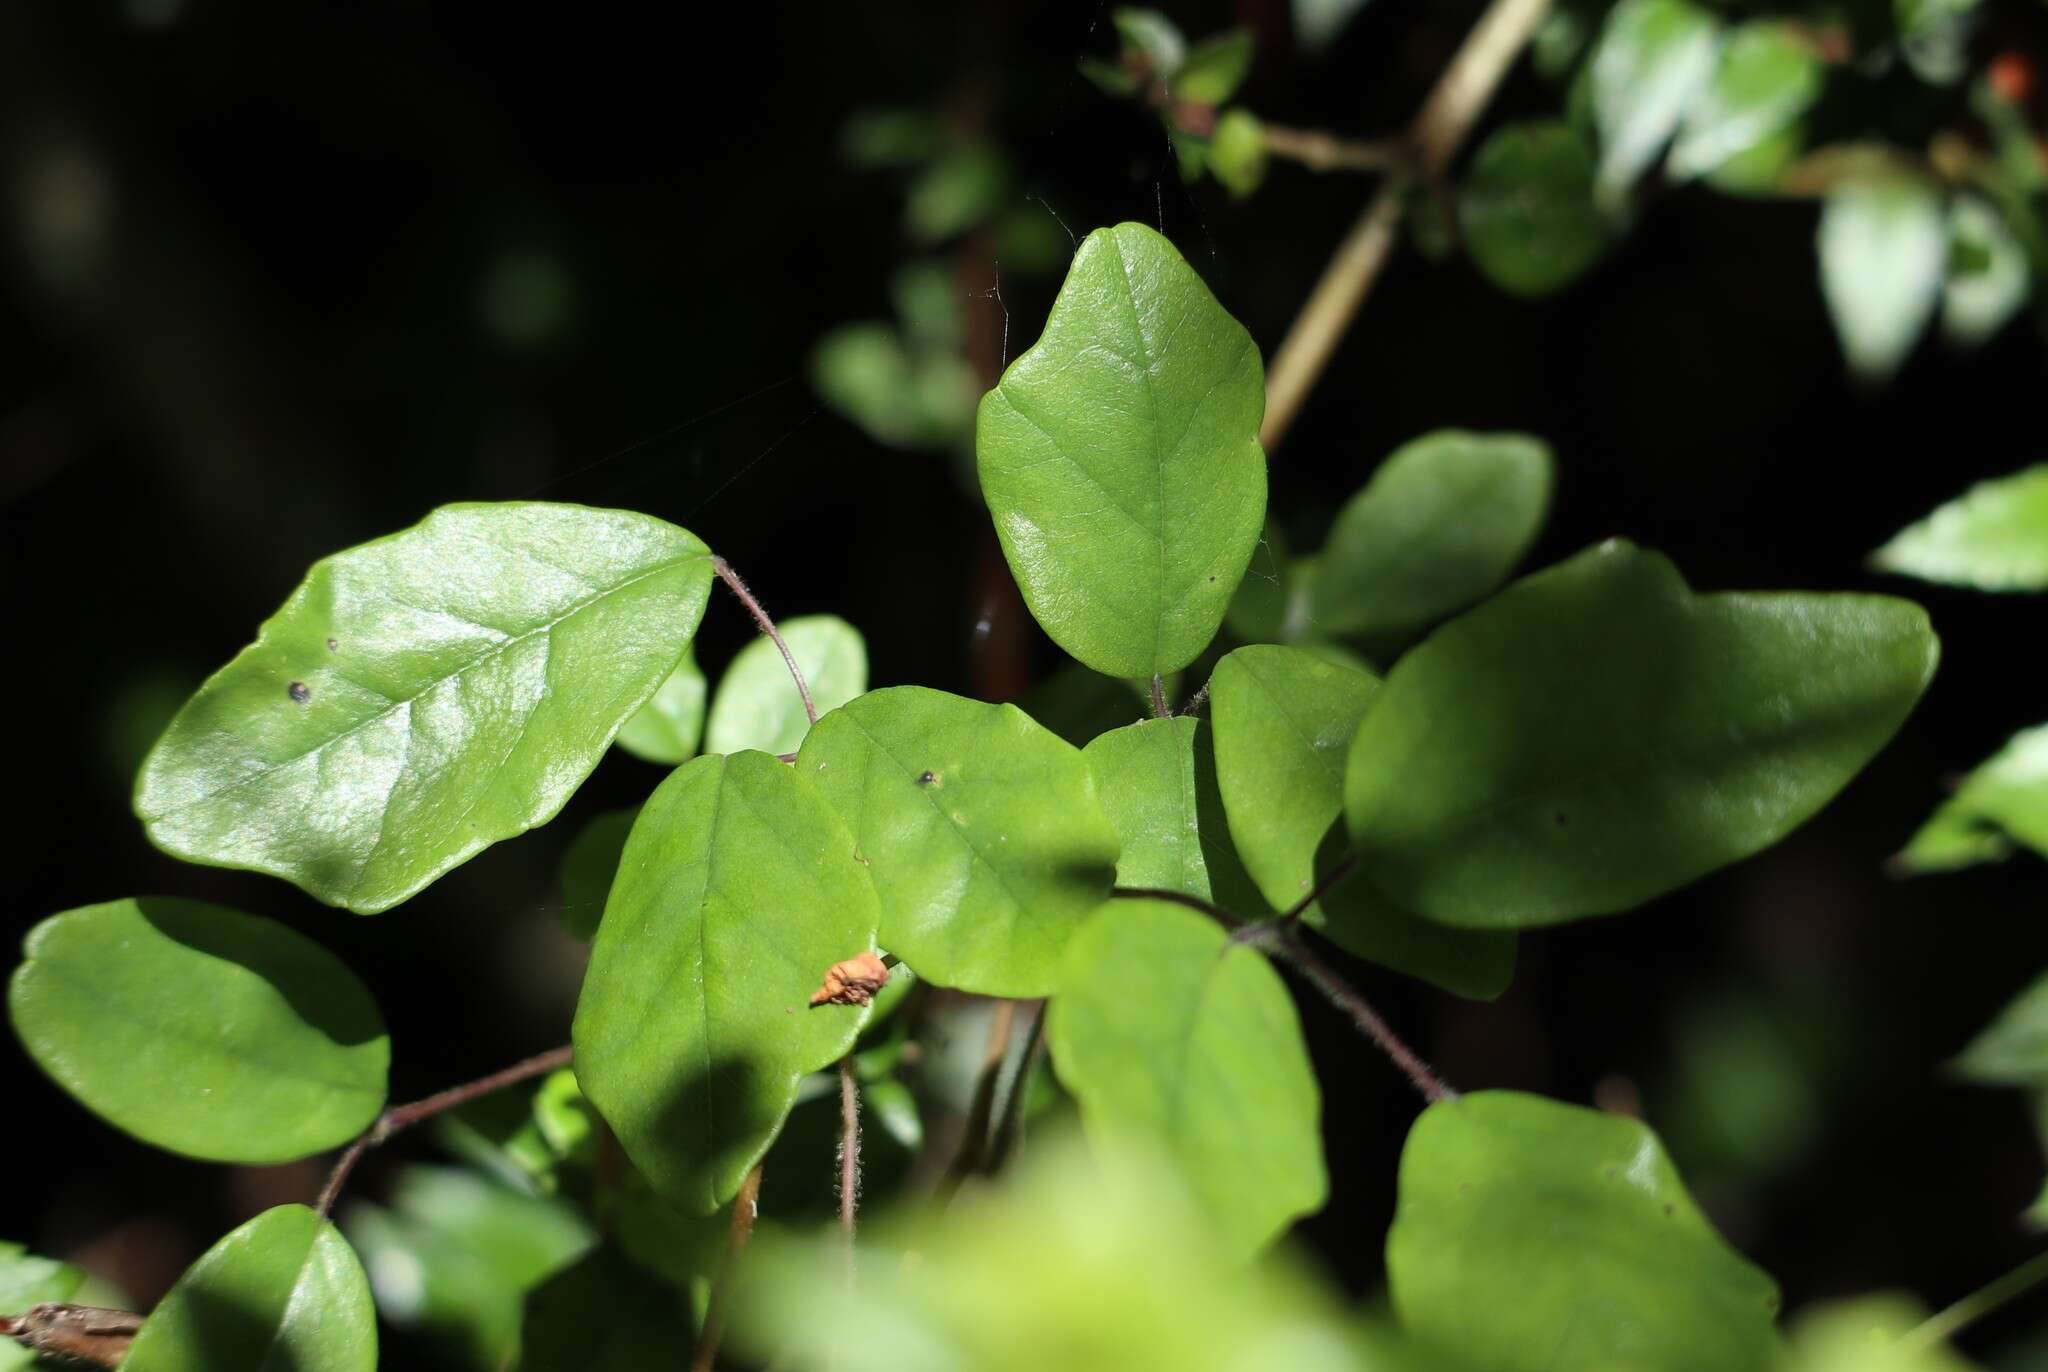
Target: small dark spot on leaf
(299,691)
(332,645)
(927,779)
(1669,1210)
(1559,817)
(1212,577)
(1613,1172)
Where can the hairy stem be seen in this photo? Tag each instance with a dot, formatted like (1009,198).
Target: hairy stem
(1446,116)
(1948,1323)
(849,1147)
(746,1207)
(400,1117)
(87,1335)
(1160,709)
(1013,1104)
(739,589)
(1285,942)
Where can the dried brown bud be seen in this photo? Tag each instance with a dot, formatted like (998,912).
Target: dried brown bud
(852,982)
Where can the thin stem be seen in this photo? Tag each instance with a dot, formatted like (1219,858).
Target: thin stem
(1287,944)
(1213,911)
(1326,152)
(1446,116)
(1330,881)
(400,1117)
(746,1207)
(1020,1083)
(87,1334)
(1197,700)
(975,1137)
(1160,709)
(1948,1323)
(739,589)
(849,1147)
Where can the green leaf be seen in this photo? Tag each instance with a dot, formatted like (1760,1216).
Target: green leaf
(1120,458)
(739,887)
(1994,537)
(1151,35)
(1868,1334)
(1530,1236)
(1163,1026)
(1979,298)
(1442,522)
(900,396)
(1215,68)
(2013,1049)
(27,1281)
(1934,37)
(1654,59)
(1284,719)
(982,831)
(588,866)
(200,1029)
(1237,156)
(1156,780)
(960,189)
(423,696)
(669,726)
(1598,734)
(1526,208)
(1767,77)
(605,1312)
(1883,252)
(757,705)
(283,1291)
(2005,799)
(1078,704)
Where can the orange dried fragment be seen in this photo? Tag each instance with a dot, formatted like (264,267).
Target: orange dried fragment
(852,982)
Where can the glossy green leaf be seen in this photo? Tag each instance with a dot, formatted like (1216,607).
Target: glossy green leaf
(200,1029)
(1156,780)
(757,705)
(1598,734)
(2013,1049)
(1988,280)
(669,726)
(1284,719)
(1214,68)
(1120,459)
(1767,76)
(1530,1236)
(738,888)
(588,866)
(1653,60)
(423,696)
(27,1281)
(1237,156)
(2004,800)
(1526,208)
(1993,537)
(605,1312)
(1442,522)
(1883,253)
(1209,1059)
(983,833)
(283,1291)
(1868,1334)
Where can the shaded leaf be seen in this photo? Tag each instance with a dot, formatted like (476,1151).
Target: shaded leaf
(423,696)
(757,705)
(1149,34)
(669,726)
(1598,734)
(1237,155)
(1534,1235)
(1768,75)
(1214,68)
(982,831)
(283,1291)
(2013,1049)
(1652,61)
(1988,280)
(588,866)
(1157,783)
(200,1029)
(1442,522)
(1284,719)
(1119,457)
(1883,252)
(1993,537)
(605,1312)
(737,889)
(2004,800)
(1526,208)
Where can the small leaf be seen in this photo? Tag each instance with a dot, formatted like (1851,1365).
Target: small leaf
(1868,1334)
(1530,1236)
(1237,155)
(603,1312)
(1284,719)
(1934,37)
(1979,300)
(588,866)
(982,831)
(2004,800)
(757,705)
(960,189)
(737,889)
(1318,22)
(900,396)
(669,726)
(1994,537)
(27,1281)
(1157,783)
(283,1291)
(201,1030)
(423,696)
(1151,35)
(1653,60)
(1162,1025)
(2013,1049)
(1526,209)
(1442,522)
(1120,459)
(1883,252)
(1598,734)
(1215,68)
(1768,76)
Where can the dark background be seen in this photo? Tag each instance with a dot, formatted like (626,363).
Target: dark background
(248,267)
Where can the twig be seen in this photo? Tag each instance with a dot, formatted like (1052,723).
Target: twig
(1330,881)
(1433,138)
(739,589)
(84,1334)
(1325,152)
(1286,943)
(1020,1084)
(974,1138)
(1159,706)
(849,1147)
(746,1206)
(1945,1325)
(1197,700)
(1212,910)
(400,1117)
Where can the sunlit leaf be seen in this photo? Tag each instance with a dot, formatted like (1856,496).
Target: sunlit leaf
(669,726)
(1237,155)
(2005,800)
(1988,280)
(2013,1049)
(200,1029)
(283,1291)
(982,832)
(1868,1334)
(1531,1236)
(739,886)
(423,696)
(1120,459)
(1214,68)
(1652,61)
(1883,253)
(1598,734)
(1993,537)
(757,705)
(1767,76)
(1151,35)
(1526,208)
